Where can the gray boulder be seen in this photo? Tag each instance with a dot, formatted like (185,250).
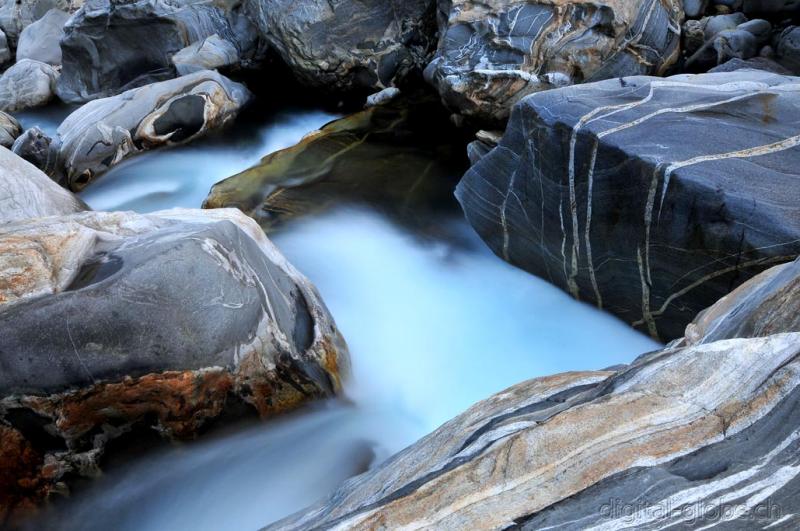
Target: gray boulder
(694,8)
(35,146)
(690,437)
(162,323)
(209,54)
(788,49)
(16,15)
(756,63)
(622,192)
(342,45)
(26,192)
(492,55)
(41,40)
(5,51)
(104,132)
(111,46)
(27,84)
(10,129)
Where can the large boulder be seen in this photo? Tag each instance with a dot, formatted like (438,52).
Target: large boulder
(121,325)
(10,129)
(493,54)
(688,437)
(16,15)
(401,155)
(114,45)
(209,54)
(41,40)
(342,45)
(648,197)
(104,132)
(27,84)
(26,192)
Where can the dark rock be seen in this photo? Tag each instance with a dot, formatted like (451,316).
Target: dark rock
(348,45)
(104,132)
(492,55)
(761,7)
(159,322)
(37,148)
(401,155)
(756,63)
(5,51)
(726,45)
(621,193)
(111,46)
(694,8)
(788,49)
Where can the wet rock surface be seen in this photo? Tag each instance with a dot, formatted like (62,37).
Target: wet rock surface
(400,155)
(615,191)
(26,192)
(96,329)
(706,434)
(491,55)
(104,132)
(341,45)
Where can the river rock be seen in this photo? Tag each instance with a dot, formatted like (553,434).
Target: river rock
(209,54)
(104,132)
(16,15)
(27,84)
(344,45)
(788,49)
(117,323)
(491,55)
(401,155)
(111,46)
(26,192)
(755,63)
(35,146)
(41,40)
(621,193)
(10,129)
(696,435)
(5,51)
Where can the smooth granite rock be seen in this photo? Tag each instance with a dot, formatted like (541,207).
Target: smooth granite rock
(118,323)
(690,437)
(41,41)
(16,15)
(26,192)
(209,54)
(104,132)
(648,197)
(10,129)
(111,46)
(344,45)
(401,155)
(27,84)
(493,54)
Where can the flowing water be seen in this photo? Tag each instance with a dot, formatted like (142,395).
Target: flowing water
(434,324)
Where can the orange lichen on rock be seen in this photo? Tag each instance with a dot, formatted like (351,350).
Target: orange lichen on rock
(21,485)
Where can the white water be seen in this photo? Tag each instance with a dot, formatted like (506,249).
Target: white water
(433,325)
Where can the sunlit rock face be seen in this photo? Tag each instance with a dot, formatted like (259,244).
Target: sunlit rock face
(26,192)
(689,436)
(650,198)
(120,323)
(104,132)
(111,46)
(341,45)
(492,54)
(400,155)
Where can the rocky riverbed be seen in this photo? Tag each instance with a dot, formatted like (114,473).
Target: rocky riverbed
(215,216)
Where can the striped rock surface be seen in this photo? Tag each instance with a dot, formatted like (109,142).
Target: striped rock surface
(648,197)
(491,54)
(701,435)
(105,132)
(117,324)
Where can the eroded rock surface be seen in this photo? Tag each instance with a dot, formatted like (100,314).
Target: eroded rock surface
(400,155)
(27,84)
(493,54)
(341,45)
(26,192)
(119,322)
(104,132)
(114,45)
(690,436)
(10,129)
(648,197)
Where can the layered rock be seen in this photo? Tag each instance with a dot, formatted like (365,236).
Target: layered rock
(493,54)
(10,129)
(26,192)
(114,45)
(119,323)
(41,40)
(648,197)
(104,132)
(27,84)
(344,45)
(687,437)
(399,155)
